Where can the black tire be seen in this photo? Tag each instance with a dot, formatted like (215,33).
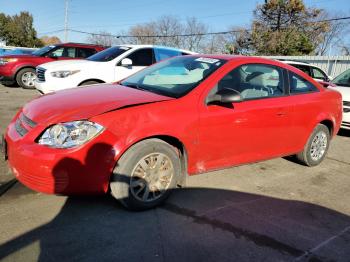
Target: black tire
(87,83)
(306,156)
(122,178)
(21,82)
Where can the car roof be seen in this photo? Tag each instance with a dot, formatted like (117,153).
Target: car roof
(291,62)
(79,45)
(254,59)
(157,46)
(294,62)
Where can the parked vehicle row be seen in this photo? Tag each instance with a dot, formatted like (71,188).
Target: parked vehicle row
(139,138)
(20,68)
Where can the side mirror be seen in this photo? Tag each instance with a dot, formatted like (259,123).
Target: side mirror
(325,84)
(126,62)
(225,96)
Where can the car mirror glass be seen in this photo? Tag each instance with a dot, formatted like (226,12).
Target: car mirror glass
(126,62)
(225,96)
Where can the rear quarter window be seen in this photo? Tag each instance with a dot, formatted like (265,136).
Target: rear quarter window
(299,85)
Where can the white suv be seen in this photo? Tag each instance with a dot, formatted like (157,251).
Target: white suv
(110,65)
(342,83)
(315,72)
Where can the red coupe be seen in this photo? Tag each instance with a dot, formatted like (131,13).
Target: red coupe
(142,136)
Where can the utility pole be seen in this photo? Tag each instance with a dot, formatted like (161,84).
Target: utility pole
(66,21)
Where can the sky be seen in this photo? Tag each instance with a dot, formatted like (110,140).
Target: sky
(115,16)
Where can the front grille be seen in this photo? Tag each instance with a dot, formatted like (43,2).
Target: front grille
(346,109)
(20,128)
(24,124)
(346,103)
(345,124)
(40,74)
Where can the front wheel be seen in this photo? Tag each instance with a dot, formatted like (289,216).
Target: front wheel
(316,147)
(145,174)
(26,78)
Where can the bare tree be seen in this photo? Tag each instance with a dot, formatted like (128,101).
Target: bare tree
(196,30)
(101,38)
(168,28)
(142,34)
(333,36)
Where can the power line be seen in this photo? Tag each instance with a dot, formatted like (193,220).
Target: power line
(194,34)
(177,35)
(152,36)
(51,32)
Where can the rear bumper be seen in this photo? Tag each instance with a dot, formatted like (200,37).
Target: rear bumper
(82,170)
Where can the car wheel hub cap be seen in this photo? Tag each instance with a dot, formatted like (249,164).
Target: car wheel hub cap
(28,78)
(318,146)
(151,177)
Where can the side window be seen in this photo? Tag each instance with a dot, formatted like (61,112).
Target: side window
(57,52)
(161,54)
(142,57)
(305,69)
(254,81)
(64,52)
(300,85)
(69,52)
(318,74)
(85,52)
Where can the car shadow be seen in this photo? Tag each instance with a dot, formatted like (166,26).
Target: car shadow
(194,224)
(344,132)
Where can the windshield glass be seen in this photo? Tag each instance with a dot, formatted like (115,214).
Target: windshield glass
(174,77)
(108,54)
(43,50)
(343,79)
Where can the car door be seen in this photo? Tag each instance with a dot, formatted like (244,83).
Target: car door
(141,58)
(254,129)
(306,107)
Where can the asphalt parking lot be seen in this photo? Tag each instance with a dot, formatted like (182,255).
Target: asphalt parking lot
(275,210)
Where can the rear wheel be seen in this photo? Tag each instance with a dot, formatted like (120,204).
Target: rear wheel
(316,147)
(26,78)
(145,174)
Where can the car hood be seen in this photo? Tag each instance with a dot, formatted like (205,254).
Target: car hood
(345,91)
(86,102)
(67,64)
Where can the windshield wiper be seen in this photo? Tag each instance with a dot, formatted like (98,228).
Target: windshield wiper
(136,86)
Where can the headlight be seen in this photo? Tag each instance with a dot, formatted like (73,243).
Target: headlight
(70,134)
(4,61)
(65,73)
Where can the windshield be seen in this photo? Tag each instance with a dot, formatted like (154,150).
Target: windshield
(108,54)
(174,77)
(43,50)
(343,79)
